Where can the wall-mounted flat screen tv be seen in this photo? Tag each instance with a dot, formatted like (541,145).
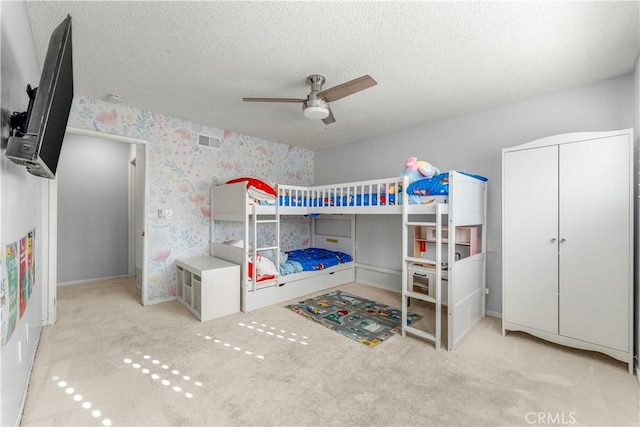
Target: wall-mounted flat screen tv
(38,148)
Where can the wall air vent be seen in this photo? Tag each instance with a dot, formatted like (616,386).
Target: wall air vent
(209,141)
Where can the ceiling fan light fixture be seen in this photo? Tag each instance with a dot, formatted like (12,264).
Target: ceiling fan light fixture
(315,112)
(316,106)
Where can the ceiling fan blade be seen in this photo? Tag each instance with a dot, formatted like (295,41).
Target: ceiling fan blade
(273,100)
(348,88)
(329,119)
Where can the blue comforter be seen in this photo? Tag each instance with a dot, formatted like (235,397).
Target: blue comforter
(312,259)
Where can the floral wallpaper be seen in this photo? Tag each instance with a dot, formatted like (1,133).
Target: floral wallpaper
(181,173)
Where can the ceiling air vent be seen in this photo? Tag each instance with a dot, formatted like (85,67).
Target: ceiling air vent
(209,141)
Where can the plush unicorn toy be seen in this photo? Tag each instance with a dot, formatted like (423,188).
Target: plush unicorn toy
(418,169)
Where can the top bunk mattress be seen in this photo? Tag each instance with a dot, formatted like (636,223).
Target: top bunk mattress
(437,185)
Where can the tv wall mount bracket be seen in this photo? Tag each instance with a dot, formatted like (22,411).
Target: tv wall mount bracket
(20,121)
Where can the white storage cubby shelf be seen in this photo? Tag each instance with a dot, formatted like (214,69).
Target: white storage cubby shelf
(425,236)
(208,287)
(468,241)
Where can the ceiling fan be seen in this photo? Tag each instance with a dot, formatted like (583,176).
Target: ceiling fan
(316,105)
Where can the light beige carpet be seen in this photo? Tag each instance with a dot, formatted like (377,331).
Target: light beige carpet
(110,361)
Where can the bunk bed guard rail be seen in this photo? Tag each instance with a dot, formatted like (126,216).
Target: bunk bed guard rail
(378,192)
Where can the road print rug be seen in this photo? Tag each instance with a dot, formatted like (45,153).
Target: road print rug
(360,319)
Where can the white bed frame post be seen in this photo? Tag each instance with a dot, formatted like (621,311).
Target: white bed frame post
(451,260)
(277,218)
(405,257)
(485,292)
(438,293)
(254,248)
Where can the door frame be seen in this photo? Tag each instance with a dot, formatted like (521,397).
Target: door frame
(52,292)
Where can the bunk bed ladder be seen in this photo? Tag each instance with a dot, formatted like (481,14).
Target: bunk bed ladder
(413,265)
(257,249)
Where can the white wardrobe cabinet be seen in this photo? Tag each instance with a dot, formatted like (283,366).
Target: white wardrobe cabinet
(568,241)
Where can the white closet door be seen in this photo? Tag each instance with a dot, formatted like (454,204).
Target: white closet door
(595,257)
(530,248)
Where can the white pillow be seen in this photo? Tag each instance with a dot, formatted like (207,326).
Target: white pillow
(256,193)
(265,267)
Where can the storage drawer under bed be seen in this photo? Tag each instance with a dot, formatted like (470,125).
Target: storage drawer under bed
(296,287)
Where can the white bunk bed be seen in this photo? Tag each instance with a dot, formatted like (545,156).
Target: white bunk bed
(464,205)
(232,202)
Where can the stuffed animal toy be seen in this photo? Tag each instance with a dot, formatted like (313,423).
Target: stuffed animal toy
(418,169)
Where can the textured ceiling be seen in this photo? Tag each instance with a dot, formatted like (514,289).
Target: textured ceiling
(432,60)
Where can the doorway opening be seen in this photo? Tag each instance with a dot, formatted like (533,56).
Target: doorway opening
(137,189)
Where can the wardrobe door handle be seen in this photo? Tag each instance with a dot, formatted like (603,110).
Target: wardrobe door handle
(563,240)
(553,240)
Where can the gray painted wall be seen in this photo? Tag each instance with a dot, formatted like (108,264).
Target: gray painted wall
(23,206)
(473,142)
(93,197)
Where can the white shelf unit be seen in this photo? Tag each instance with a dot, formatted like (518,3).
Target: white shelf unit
(208,287)
(465,236)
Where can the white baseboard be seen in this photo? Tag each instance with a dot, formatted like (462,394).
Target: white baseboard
(26,389)
(494,314)
(379,286)
(161,300)
(81,282)
(379,277)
